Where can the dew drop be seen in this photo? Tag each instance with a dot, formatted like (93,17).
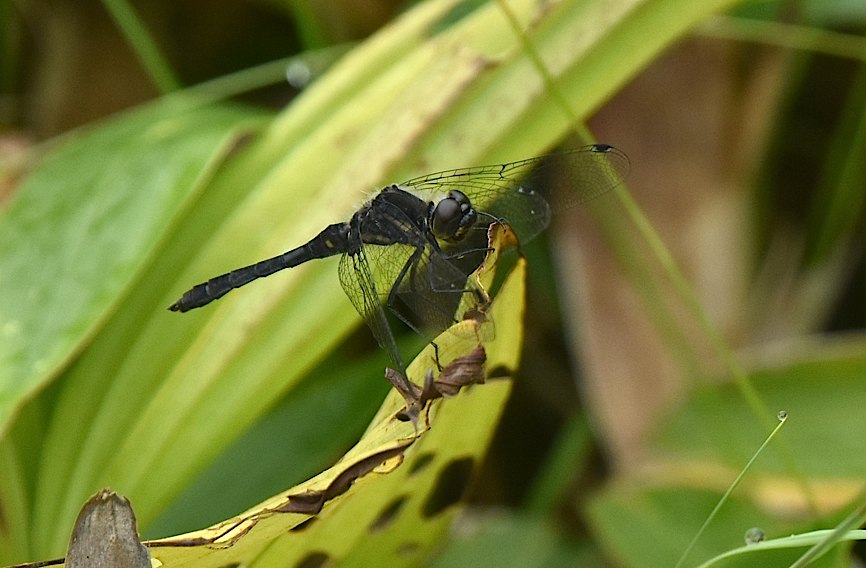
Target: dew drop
(298,74)
(755,535)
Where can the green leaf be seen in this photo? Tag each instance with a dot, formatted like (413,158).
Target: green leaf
(823,393)
(298,422)
(510,541)
(392,497)
(651,526)
(83,228)
(86,223)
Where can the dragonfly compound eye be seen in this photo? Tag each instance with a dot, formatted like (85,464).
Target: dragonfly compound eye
(453,216)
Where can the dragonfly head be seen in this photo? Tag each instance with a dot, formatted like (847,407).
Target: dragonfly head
(452,217)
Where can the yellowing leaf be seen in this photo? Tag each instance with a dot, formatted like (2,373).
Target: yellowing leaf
(391,498)
(405,486)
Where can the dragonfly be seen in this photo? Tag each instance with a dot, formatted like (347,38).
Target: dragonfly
(408,252)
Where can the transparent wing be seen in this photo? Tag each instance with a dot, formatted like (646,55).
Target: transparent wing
(417,283)
(359,285)
(522,194)
(426,287)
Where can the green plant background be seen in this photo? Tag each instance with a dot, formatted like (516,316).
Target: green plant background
(120,190)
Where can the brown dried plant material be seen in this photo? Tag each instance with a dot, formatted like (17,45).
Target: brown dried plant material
(106,535)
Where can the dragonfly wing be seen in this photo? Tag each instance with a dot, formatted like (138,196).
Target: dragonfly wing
(360,286)
(424,288)
(407,276)
(418,283)
(522,193)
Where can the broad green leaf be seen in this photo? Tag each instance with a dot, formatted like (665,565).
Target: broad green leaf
(823,392)
(392,498)
(651,526)
(82,229)
(821,388)
(511,541)
(86,223)
(297,422)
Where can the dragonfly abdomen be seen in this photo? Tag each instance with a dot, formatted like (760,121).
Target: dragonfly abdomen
(329,242)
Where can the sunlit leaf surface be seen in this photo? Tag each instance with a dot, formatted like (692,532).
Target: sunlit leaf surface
(391,498)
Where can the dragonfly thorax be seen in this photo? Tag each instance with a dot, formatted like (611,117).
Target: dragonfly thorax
(452,217)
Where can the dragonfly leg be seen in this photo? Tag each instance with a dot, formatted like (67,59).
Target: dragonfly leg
(391,303)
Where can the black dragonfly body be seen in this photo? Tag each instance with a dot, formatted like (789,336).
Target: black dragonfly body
(410,250)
